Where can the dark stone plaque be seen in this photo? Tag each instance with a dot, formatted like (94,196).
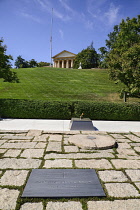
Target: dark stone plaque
(82,124)
(58,183)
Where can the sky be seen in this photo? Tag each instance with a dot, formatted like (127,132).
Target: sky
(25,25)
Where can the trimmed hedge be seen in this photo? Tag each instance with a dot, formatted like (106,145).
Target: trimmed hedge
(108,111)
(36,109)
(33,109)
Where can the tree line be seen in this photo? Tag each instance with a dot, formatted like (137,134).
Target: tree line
(121,56)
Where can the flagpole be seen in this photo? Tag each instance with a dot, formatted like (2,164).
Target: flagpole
(51,39)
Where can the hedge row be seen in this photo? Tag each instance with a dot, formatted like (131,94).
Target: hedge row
(35,109)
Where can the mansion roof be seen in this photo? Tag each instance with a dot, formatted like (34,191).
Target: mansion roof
(64,54)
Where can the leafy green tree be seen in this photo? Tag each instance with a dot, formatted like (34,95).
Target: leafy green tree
(5,65)
(21,63)
(102,57)
(42,63)
(87,57)
(33,63)
(123,56)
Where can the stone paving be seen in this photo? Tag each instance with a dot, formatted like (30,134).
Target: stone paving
(118,169)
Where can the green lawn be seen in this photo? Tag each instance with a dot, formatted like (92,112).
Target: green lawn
(61,84)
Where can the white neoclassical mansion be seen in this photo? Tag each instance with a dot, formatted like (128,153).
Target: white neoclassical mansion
(64,59)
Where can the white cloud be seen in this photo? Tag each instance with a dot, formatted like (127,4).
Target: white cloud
(61,33)
(31,17)
(99,10)
(112,14)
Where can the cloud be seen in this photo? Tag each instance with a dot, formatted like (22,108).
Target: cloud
(61,33)
(104,11)
(31,17)
(112,14)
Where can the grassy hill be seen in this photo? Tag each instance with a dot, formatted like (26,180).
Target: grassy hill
(61,84)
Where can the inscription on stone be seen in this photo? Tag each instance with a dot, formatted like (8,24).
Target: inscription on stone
(63,183)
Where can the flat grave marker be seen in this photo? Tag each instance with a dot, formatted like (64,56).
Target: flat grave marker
(63,183)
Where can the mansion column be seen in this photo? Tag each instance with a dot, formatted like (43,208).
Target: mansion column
(62,63)
(67,64)
(72,63)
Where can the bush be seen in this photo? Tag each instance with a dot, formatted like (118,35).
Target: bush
(108,111)
(35,109)
(32,109)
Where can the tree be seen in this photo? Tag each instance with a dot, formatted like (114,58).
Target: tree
(5,65)
(88,58)
(42,63)
(21,63)
(123,56)
(33,63)
(102,57)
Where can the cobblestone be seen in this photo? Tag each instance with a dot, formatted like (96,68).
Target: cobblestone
(12,153)
(134,164)
(32,206)
(19,145)
(32,153)
(53,146)
(70,205)
(8,198)
(121,190)
(71,149)
(61,163)
(15,177)
(99,164)
(114,205)
(112,176)
(14,163)
(134,175)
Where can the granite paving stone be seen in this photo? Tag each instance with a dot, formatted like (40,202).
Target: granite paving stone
(124,146)
(137,149)
(126,151)
(17,137)
(133,137)
(137,184)
(129,157)
(123,140)
(117,136)
(112,176)
(19,145)
(32,153)
(41,138)
(134,174)
(12,153)
(121,190)
(40,145)
(71,149)
(8,198)
(135,144)
(34,133)
(3,151)
(2,142)
(14,177)
(55,138)
(54,146)
(79,155)
(130,204)
(32,206)
(99,164)
(57,163)
(14,163)
(134,164)
(70,205)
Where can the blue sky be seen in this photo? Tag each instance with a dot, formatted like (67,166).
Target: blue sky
(25,25)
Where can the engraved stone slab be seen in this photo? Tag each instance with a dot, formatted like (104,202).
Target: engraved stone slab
(63,183)
(81,124)
(92,141)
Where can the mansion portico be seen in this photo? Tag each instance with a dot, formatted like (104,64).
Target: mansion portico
(64,59)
